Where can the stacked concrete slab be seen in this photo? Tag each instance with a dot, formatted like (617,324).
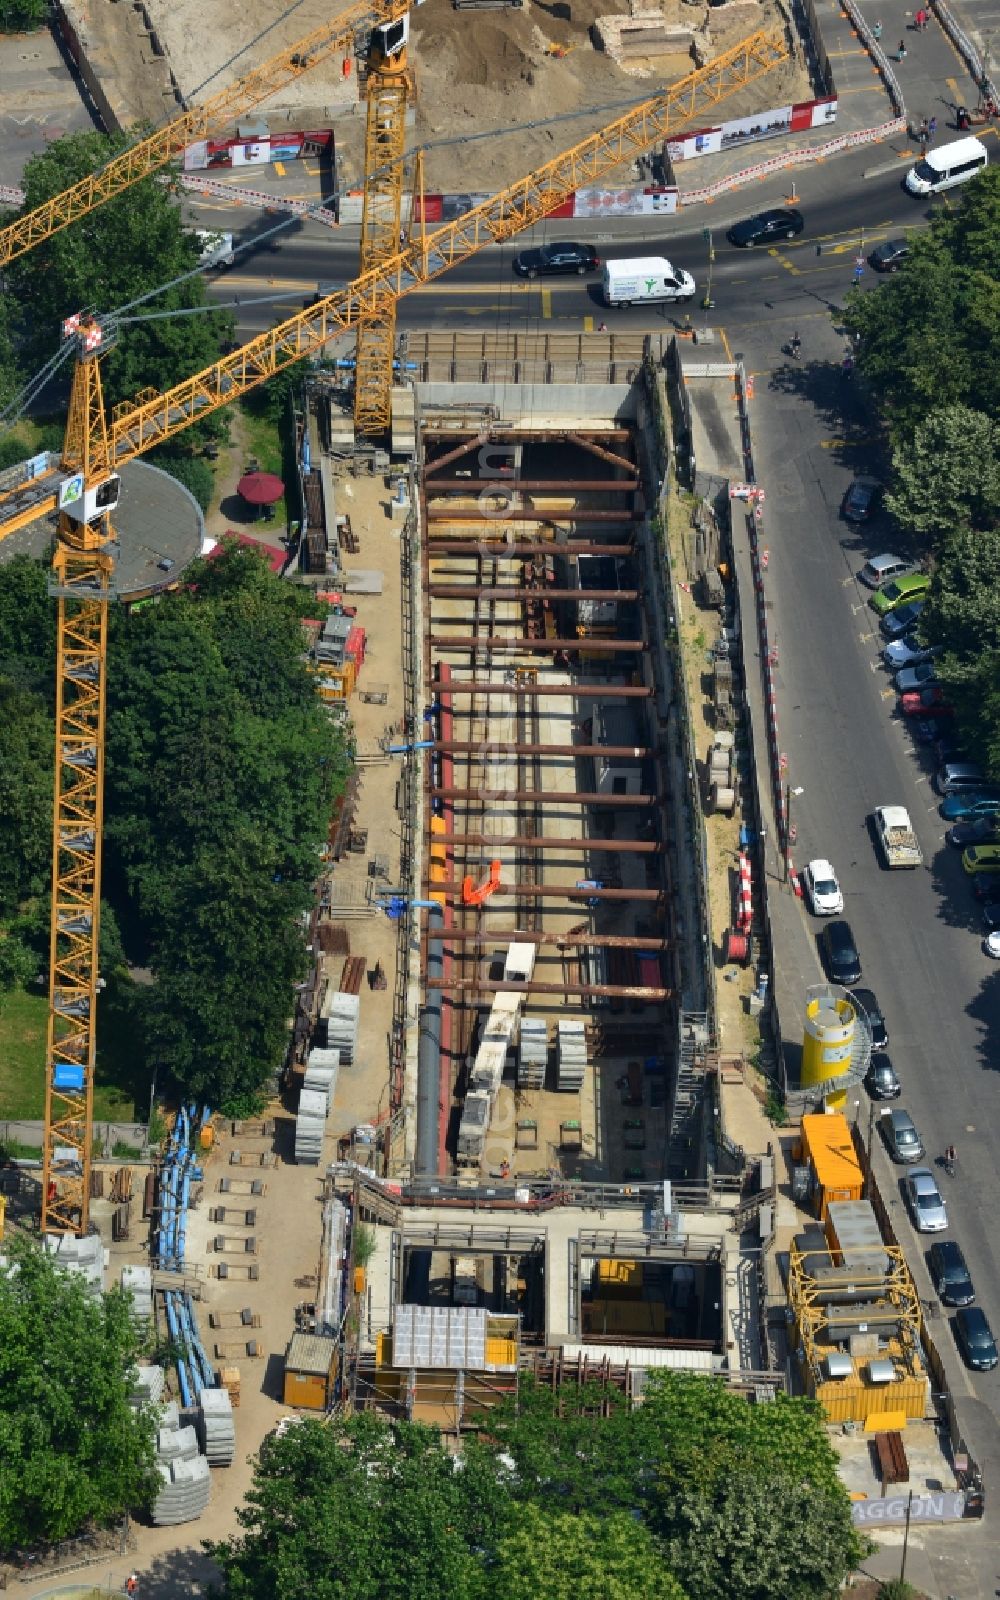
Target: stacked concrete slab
(533,1054)
(138,1282)
(84,1256)
(185,1488)
(148,1387)
(341,1015)
(310,1127)
(571,1054)
(217,1426)
(322,1067)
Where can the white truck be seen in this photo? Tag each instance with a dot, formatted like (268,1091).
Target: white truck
(645,278)
(894,835)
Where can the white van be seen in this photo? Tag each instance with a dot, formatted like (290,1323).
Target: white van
(645,278)
(949,164)
(216,249)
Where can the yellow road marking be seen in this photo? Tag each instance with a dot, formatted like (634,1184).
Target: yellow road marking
(279,168)
(725,344)
(546,303)
(588,324)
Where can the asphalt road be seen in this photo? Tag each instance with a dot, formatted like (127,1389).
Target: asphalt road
(919,933)
(844,213)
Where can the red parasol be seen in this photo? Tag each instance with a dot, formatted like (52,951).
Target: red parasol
(260,488)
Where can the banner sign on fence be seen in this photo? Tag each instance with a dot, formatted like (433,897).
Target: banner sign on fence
(212,153)
(748,130)
(891,1512)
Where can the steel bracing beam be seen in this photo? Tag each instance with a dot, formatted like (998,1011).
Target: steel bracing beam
(461,516)
(567,691)
(500,641)
(613,991)
(469,591)
(438,547)
(538,841)
(602,453)
(546,797)
(567,941)
(501,487)
(211,116)
(497,748)
(452,890)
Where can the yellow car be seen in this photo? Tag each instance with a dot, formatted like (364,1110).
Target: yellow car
(981,858)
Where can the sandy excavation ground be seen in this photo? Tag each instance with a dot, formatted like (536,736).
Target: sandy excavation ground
(474,72)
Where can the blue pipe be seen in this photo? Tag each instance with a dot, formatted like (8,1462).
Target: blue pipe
(182,1377)
(417,744)
(195,1343)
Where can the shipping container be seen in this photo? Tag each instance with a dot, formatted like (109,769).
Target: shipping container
(828,1147)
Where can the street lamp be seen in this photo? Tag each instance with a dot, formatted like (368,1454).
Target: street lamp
(708,303)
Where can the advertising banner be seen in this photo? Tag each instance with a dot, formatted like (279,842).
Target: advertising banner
(624,203)
(291,146)
(891,1511)
(750,130)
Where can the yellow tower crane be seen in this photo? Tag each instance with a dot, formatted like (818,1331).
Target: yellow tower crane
(388,93)
(85,490)
(344,32)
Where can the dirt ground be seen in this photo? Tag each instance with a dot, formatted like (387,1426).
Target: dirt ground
(474,72)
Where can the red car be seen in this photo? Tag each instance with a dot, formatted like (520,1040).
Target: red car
(929,702)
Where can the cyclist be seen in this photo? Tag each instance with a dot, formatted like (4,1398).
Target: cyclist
(796,345)
(950,1157)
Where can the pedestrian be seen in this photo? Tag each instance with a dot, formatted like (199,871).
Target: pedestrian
(132,1583)
(901,52)
(877,31)
(932,128)
(602,327)
(922,133)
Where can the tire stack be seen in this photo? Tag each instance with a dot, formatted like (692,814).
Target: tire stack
(217,1427)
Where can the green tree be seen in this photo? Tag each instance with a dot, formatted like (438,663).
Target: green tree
(109,258)
(962,615)
(190,470)
(27,626)
(358,1509)
(23,16)
(946,474)
(564,1557)
(73,1452)
(930,338)
(26,782)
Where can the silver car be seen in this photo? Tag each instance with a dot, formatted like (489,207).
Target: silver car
(924,1200)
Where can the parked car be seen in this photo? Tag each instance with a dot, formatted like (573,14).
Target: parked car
(840,953)
(558,257)
(900,592)
(928,1210)
(882,569)
(872,1012)
(980,830)
(974,1337)
(881,1079)
(991,946)
(908,652)
(889,257)
(926,703)
(991,915)
(766,227)
(962,807)
(822,889)
(951,1276)
(860,503)
(981,858)
(898,623)
(960,777)
(984,886)
(910,679)
(901,1137)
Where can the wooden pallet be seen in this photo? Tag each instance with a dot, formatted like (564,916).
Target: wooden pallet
(239,1186)
(235,1348)
(234,1319)
(233,1270)
(231,1383)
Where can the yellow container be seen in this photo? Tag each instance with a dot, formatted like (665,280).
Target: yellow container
(501,1353)
(829,1148)
(207,1137)
(359,1280)
(827,1042)
(620,1275)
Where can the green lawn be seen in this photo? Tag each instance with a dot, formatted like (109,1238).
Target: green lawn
(22,1063)
(263,441)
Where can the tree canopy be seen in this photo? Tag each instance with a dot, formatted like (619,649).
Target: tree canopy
(109,258)
(696,1492)
(72,1450)
(222,770)
(930,353)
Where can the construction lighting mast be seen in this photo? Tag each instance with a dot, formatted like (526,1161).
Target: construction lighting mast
(85,491)
(388,93)
(343,33)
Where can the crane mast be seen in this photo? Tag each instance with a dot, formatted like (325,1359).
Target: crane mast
(85,491)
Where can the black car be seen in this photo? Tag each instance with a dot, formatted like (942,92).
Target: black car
(872,1013)
(979,830)
(984,886)
(952,1278)
(862,500)
(560,257)
(895,623)
(889,257)
(840,953)
(975,1339)
(766,227)
(991,916)
(881,1080)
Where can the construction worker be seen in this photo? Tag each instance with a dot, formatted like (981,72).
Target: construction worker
(132,1583)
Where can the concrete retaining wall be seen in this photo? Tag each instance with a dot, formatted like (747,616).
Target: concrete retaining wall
(534,405)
